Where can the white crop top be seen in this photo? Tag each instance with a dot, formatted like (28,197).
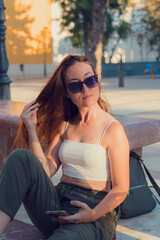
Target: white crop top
(85,160)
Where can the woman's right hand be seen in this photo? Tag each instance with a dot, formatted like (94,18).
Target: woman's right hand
(29,115)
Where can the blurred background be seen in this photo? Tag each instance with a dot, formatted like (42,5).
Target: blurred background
(40,33)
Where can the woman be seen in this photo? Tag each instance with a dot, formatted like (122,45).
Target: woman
(70,118)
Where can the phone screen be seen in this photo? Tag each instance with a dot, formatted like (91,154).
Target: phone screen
(57,213)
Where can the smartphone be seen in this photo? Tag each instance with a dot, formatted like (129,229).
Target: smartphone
(57,213)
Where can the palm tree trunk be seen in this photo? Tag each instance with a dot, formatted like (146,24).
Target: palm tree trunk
(98,25)
(85,38)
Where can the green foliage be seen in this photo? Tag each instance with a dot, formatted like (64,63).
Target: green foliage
(123,29)
(77,20)
(151,19)
(118,31)
(75,14)
(109,28)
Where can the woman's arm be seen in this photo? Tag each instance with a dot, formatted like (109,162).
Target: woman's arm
(118,152)
(50,161)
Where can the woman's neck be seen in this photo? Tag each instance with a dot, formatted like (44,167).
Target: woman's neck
(88,114)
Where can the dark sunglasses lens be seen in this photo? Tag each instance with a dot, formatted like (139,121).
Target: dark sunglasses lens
(75,87)
(91,82)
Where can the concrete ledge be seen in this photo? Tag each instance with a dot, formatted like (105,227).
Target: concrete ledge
(9,118)
(8,130)
(146,133)
(140,131)
(18,230)
(11,107)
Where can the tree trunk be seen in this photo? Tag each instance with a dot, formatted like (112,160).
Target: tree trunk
(98,25)
(85,38)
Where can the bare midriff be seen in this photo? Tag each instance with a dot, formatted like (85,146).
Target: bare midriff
(88,184)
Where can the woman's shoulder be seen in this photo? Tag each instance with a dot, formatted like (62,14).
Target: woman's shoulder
(110,121)
(113,125)
(63,128)
(113,130)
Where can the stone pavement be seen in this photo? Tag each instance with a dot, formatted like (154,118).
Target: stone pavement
(140,96)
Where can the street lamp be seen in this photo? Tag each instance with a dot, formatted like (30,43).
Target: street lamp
(4,79)
(121,73)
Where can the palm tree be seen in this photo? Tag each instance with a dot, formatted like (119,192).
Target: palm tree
(98,27)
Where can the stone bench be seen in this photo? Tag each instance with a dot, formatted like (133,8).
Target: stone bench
(18,230)
(9,118)
(140,132)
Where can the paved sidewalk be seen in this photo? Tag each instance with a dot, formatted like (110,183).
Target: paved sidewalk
(139,97)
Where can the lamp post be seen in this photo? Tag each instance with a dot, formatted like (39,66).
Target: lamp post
(4,79)
(121,73)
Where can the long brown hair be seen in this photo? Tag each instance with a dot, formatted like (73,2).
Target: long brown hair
(54,107)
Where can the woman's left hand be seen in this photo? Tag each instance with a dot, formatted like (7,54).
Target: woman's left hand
(84,215)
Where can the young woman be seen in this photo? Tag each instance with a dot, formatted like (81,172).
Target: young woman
(69,125)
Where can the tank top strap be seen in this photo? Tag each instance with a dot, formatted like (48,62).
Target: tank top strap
(65,129)
(105,129)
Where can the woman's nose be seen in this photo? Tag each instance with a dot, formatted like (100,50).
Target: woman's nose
(84,87)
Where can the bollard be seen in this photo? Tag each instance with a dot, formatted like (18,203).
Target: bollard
(4,79)
(121,73)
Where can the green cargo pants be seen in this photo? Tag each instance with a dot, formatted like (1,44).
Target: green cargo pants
(23,179)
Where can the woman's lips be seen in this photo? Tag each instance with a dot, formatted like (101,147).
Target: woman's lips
(87,96)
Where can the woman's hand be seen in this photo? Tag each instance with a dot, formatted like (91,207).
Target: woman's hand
(85,214)
(29,115)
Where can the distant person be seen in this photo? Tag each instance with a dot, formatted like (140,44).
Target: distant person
(69,125)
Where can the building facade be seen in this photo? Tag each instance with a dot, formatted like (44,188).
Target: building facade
(29,37)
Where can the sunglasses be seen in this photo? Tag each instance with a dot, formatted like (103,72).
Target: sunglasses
(76,87)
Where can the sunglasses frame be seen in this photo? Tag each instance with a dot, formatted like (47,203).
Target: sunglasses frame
(83,82)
